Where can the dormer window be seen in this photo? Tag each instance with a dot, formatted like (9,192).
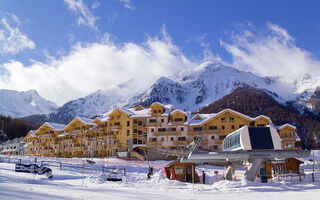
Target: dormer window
(178,119)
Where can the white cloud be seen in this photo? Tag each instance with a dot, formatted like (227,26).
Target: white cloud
(128,4)
(85,17)
(95,5)
(272,52)
(93,66)
(12,40)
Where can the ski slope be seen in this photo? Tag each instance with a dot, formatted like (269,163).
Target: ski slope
(77,183)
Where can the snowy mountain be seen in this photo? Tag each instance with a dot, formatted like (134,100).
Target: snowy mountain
(19,104)
(207,83)
(188,90)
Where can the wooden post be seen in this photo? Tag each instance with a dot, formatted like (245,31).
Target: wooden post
(192,174)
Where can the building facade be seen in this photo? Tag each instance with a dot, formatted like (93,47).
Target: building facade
(124,131)
(13,147)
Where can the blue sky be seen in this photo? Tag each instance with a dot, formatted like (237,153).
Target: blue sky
(66,49)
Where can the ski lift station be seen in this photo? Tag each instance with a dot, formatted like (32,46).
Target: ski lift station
(252,147)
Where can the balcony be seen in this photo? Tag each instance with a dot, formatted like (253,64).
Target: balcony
(153,124)
(154,143)
(115,127)
(180,143)
(77,148)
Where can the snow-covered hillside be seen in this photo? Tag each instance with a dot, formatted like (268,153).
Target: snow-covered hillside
(207,83)
(91,105)
(19,104)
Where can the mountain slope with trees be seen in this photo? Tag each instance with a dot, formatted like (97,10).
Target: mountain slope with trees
(254,102)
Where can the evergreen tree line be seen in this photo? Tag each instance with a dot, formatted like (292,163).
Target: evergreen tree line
(13,128)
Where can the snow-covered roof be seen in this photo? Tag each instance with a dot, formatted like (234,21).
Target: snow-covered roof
(167,110)
(86,120)
(140,113)
(178,110)
(205,117)
(284,125)
(262,116)
(62,134)
(55,126)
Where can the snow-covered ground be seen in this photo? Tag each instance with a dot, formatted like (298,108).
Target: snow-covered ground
(77,183)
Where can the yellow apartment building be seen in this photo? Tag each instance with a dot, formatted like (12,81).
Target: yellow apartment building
(122,132)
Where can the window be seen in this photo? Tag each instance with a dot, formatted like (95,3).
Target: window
(135,130)
(171,138)
(173,129)
(119,117)
(182,138)
(134,121)
(223,119)
(197,129)
(117,123)
(152,139)
(213,127)
(178,170)
(154,111)
(162,139)
(212,137)
(241,125)
(139,141)
(232,126)
(140,123)
(161,129)
(221,137)
(181,129)
(222,127)
(128,132)
(162,120)
(152,130)
(231,119)
(135,141)
(159,111)
(178,119)
(139,132)
(128,123)
(152,121)
(195,138)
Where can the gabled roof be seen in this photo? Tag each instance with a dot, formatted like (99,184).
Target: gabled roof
(85,120)
(167,108)
(55,126)
(264,116)
(140,113)
(178,110)
(205,118)
(284,125)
